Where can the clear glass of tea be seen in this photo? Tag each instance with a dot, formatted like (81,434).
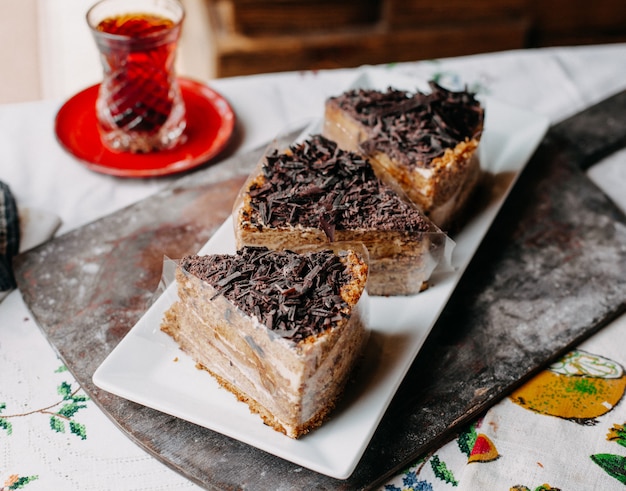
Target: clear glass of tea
(139,108)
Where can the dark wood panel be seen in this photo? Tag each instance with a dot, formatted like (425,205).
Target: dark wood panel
(274,17)
(417,14)
(236,55)
(256,36)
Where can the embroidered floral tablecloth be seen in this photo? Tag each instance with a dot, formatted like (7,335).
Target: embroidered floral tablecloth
(563,430)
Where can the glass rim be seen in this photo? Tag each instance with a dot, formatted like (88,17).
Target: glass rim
(126,9)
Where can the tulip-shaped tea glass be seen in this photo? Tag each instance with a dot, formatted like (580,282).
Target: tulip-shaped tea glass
(139,106)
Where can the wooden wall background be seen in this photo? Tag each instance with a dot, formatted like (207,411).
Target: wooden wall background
(257,36)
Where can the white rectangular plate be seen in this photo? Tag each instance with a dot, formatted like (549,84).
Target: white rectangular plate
(147,366)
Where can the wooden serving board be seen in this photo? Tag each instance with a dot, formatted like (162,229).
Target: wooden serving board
(550,272)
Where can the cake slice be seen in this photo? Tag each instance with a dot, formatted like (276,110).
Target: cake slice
(316,193)
(281,330)
(426,143)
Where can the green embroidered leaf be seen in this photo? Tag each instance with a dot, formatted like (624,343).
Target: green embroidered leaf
(6,425)
(61,369)
(69,410)
(22,481)
(78,430)
(65,390)
(441,471)
(617,434)
(80,398)
(467,439)
(57,425)
(3,406)
(613,465)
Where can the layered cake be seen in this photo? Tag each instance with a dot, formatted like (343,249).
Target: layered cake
(425,142)
(316,193)
(281,330)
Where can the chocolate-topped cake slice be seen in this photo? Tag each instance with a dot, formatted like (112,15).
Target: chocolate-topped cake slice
(317,193)
(425,142)
(280,330)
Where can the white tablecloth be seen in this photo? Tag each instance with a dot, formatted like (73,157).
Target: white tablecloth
(42,451)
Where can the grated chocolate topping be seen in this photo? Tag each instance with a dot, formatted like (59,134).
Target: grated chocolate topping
(414,128)
(294,295)
(317,184)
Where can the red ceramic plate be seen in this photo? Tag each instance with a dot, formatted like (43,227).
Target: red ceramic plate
(210,124)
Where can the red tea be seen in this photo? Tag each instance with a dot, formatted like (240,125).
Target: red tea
(139,96)
(139,99)
(135,25)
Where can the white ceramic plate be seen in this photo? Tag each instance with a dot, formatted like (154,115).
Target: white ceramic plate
(148,368)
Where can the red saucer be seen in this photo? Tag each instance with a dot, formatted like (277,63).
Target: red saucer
(210,124)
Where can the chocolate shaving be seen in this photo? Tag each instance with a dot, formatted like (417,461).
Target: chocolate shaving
(294,295)
(318,185)
(414,128)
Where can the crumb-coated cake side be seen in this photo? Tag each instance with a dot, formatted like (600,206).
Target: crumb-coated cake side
(426,143)
(317,193)
(281,330)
